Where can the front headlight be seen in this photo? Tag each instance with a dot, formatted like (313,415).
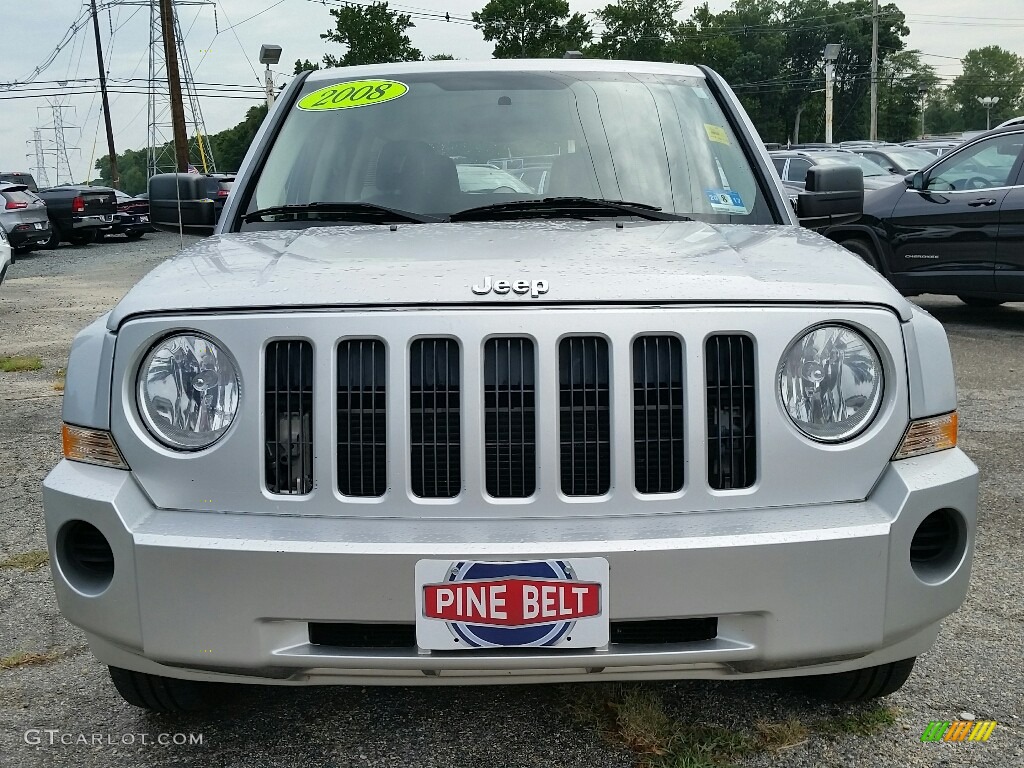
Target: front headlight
(830,383)
(188,392)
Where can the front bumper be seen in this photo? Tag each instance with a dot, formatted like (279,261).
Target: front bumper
(798,590)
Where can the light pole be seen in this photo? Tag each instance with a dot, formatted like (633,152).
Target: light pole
(831,54)
(988,102)
(269,54)
(923,93)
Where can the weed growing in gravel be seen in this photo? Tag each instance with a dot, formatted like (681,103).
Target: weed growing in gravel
(863,723)
(636,716)
(26,659)
(785,735)
(12,363)
(26,561)
(58,385)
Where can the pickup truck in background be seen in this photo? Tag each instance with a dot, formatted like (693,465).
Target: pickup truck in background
(77,213)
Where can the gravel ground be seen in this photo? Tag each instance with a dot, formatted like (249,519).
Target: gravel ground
(977,666)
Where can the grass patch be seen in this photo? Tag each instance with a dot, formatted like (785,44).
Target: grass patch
(13,363)
(636,716)
(26,659)
(784,735)
(862,723)
(27,561)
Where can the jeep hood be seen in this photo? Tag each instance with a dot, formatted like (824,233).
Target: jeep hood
(581,262)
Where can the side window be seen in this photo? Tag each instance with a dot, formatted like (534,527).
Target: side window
(881,160)
(780,165)
(985,165)
(798,168)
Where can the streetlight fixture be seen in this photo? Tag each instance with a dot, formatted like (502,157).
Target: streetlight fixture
(988,102)
(269,54)
(922,91)
(831,54)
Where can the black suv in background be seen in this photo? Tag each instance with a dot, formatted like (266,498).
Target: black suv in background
(20,177)
(954,227)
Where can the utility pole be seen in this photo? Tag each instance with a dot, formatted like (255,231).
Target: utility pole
(115,177)
(874,70)
(174,85)
(831,54)
(42,180)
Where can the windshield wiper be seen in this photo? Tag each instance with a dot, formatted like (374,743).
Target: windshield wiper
(349,211)
(562,207)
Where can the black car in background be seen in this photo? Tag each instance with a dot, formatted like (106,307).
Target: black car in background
(896,158)
(954,227)
(131,218)
(218,187)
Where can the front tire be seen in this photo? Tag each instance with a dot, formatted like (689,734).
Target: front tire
(864,251)
(860,684)
(160,694)
(979,303)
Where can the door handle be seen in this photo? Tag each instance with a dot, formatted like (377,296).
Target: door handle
(982,201)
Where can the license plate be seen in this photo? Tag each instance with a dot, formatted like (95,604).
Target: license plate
(469,604)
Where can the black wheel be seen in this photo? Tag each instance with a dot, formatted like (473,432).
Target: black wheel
(865,251)
(980,303)
(84,237)
(55,237)
(859,685)
(134,234)
(160,694)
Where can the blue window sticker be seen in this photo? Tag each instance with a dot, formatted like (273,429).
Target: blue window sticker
(725,201)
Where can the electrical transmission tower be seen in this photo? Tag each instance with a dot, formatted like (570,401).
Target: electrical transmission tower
(39,156)
(161,155)
(58,147)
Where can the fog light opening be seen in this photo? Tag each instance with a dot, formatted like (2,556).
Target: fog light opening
(937,548)
(85,557)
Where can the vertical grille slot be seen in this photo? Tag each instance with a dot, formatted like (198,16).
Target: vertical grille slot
(510,427)
(435,418)
(658,414)
(732,445)
(584,416)
(362,418)
(288,427)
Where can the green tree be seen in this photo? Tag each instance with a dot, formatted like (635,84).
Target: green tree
(532,28)
(304,65)
(988,71)
(900,81)
(372,34)
(640,30)
(941,115)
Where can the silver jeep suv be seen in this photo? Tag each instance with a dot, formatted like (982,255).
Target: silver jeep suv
(384,429)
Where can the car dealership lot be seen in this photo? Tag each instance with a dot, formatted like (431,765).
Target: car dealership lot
(48,710)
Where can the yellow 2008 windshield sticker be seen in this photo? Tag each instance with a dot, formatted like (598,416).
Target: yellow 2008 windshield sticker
(356,93)
(716,133)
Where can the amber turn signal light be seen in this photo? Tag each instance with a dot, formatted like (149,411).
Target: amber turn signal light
(936,433)
(91,446)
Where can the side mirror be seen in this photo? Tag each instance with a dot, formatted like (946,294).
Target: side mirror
(915,180)
(179,201)
(835,195)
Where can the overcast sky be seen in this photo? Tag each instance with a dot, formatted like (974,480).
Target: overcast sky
(947,29)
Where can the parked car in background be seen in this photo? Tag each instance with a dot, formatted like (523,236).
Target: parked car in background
(6,255)
(131,218)
(937,147)
(23,217)
(535,177)
(78,213)
(895,158)
(792,167)
(1019,120)
(487,178)
(954,227)
(218,187)
(20,177)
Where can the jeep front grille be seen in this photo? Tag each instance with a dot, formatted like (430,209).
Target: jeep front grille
(732,448)
(584,416)
(288,425)
(362,418)
(510,421)
(434,414)
(658,414)
(538,409)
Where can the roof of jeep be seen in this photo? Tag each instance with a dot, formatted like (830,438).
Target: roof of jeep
(503,65)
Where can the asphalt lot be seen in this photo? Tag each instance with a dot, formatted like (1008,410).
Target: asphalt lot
(976,668)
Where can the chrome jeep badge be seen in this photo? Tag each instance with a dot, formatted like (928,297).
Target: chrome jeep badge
(533,287)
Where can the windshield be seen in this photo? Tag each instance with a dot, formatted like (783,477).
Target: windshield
(869,168)
(439,143)
(912,159)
